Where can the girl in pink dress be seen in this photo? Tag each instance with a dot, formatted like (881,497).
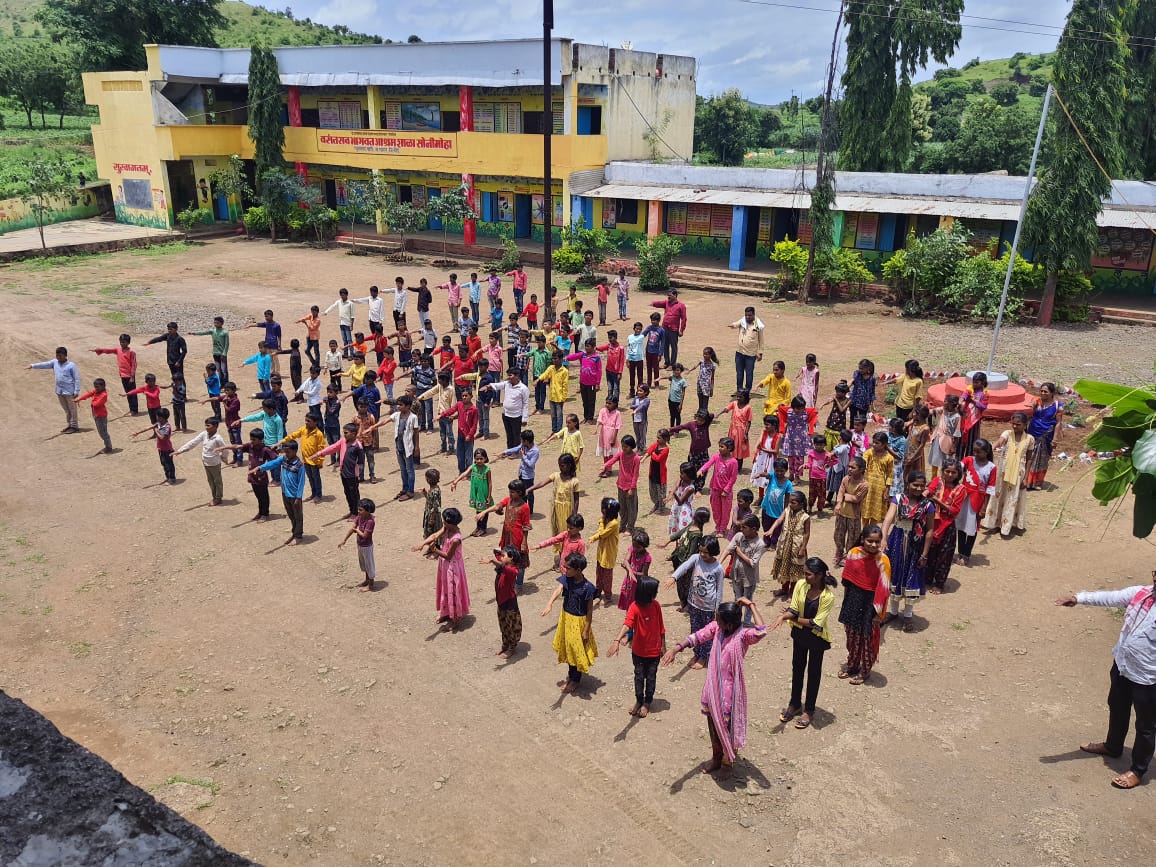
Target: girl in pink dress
(637,565)
(740,429)
(808,380)
(453,591)
(609,424)
(724,694)
(722,484)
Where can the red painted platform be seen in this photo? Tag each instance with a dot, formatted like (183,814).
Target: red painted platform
(1000,404)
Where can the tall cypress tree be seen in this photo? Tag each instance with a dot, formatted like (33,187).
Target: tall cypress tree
(1090,76)
(1138,136)
(888,41)
(265,125)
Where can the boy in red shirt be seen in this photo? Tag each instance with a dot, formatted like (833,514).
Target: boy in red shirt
(615,364)
(603,297)
(125,368)
(645,632)
(99,411)
(531,312)
(385,373)
(152,393)
(163,433)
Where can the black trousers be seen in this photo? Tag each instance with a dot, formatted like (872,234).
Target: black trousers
(645,672)
(261,492)
(296,514)
(1124,696)
(180,420)
(675,412)
(513,428)
(807,657)
(352,493)
(670,351)
(966,542)
(129,383)
(589,394)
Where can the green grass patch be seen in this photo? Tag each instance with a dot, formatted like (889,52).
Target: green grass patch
(117,317)
(44,263)
(961,625)
(190,781)
(80,649)
(161,249)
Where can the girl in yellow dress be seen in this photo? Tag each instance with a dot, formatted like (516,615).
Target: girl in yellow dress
(778,388)
(566,495)
(880,473)
(574,638)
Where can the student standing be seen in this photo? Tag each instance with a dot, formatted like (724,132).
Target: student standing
(515,406)
(628,462)
(210,442)
(292,472)
(258,479)
(589,378)
(467,415)
(521,282)
(474,288)
(126,367)
(908,531)
(175,348)
(574,638)
(609,424)
(527,454)
(635,351)
(220,348)
(863,390)
(848,508)
(344,308)
(272,339)
(647,642)
(66,378)
(655,337)
(1007,509)
(866,581)
(808,380)
(312,323)
(312,445)
(745,552)
(808,612)
(162,432)
(453,589)
(658,452)
(722,484)
(405,443)
(348,450)
(506,573)
(622,291)
(705,594)
(724,692)
(607,551)
(639,410)
(453,290)
(363,526)
(99,397)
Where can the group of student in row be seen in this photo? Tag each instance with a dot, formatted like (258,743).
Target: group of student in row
(896,535)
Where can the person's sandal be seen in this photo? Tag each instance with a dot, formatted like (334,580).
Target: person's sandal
(788,714)
(803,721)
(858,680)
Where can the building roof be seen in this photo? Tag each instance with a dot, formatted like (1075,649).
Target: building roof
(504,63)
(977,197)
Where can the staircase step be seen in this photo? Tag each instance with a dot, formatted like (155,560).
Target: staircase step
(1117,319)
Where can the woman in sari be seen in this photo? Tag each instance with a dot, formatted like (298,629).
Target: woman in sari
(908,530)
(866,583)
(724,694)
(948,493)
(1047,415)
(1007,508)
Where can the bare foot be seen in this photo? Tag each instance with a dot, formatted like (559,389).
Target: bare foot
(562,683)
(503,653)
(292,541)
(644,711)
(711,766)
(365,588)
(634,710)
(569,687)
(696,665)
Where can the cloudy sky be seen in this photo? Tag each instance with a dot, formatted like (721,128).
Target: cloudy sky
(766,50)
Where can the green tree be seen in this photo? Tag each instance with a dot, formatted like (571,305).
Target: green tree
(363,199)
(887,43)
(1006,94)
(920,117)
(769,123)
(40,76)
(728,127)
(452,207)
(1139,131)
(265,127)
(112,34)
(595,245)
(232,182)
(991,138)
(281,194)
(1091,78)
(405,218)
(655,256)
(42,181)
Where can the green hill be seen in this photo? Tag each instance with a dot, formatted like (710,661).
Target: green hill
(245,24)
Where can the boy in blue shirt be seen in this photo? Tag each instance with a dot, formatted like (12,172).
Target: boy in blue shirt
(292,472)
(272,426)
(213,387)
(264,363)
(655,336)
(424,378)
(279,398)
(369,392)
(497,315)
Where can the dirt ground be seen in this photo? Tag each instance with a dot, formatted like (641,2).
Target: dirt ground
(299,722)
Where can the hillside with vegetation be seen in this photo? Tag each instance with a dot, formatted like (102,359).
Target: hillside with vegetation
(980,117)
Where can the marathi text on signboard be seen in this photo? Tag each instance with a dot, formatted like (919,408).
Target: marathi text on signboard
(388,142)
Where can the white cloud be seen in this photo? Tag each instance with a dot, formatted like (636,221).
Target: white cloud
(765,51)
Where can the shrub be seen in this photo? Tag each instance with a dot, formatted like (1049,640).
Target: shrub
(193,216)
(654,258)
(511,255)
(1005,94)
(1071,285)
(843,266)
(1039,84)
(593,245)
(792,257)
(568,260)
(256,220)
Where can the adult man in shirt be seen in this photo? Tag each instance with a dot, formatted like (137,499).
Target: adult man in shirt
(175,348)
(673,323)
(272,340)
(376,309)
(220,346)
(515,406)
(67,380)
(749,349)
(126,368)
(344,308)
(1133,677)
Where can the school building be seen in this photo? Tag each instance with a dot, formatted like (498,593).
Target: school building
(738,214)
(427,117)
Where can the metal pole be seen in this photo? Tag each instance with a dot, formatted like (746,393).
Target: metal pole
(1011,259)
(547,132)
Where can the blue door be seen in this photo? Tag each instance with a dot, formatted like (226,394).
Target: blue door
(522,207)
(431,194)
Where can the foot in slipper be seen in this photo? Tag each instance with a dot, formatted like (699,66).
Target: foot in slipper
(1126,780)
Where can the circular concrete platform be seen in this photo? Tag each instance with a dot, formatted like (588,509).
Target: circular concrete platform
(1001,404)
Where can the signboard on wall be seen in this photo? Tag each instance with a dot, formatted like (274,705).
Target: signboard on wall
(804,228)
(698,219)
(328,114)
(351,115)
(385,142)
(609,214)
(558,209)
(393,115)
(721,217)
(850,226)
(412,116)
(867,232)
(483,117)
(766,220)
(138,193)
(505,206)
(538,209)
(417,196)
(676,219)
(1123,249)
(559,117)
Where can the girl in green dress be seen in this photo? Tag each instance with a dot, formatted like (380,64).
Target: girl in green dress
(481,489)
